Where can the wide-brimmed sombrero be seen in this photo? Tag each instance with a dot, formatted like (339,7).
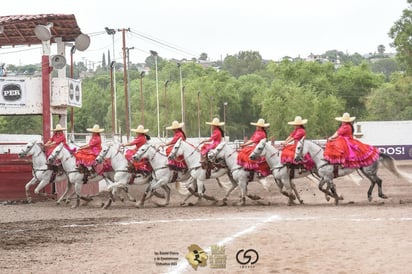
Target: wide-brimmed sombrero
(345,118)
(260,123)
(139,129)
(58,128)
(95,129)
(215,122)
(298,121)
(175,125)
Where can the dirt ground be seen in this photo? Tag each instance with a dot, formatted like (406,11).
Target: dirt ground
(356,236)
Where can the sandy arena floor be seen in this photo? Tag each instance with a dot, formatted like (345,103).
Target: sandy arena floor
(356,236)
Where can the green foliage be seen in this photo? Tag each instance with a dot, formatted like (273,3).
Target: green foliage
(391,101)
(244,91)
(401,33)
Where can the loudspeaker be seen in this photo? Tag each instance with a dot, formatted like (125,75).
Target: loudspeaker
(58,61)
(82,42)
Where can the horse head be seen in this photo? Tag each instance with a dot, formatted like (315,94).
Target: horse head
(55,155)
(141,151)
(299,155)
(176,150)
(217,152)
(27,150)
(103,153)
(258,151)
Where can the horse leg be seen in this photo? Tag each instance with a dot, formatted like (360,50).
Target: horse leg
(140,203)
(325,191)
(68,188)
(77,189)
(27,188)
(374,180)
(296,192)
(335,195)
(167,189)
(243,192)
(224,200)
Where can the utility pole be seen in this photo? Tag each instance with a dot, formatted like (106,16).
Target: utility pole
(126,94)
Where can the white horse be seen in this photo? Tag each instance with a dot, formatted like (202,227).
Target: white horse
(282,173)
(122,174)
(328,171)
(73,174)
(192,158)
(41,173)
(161,174)
(238,175)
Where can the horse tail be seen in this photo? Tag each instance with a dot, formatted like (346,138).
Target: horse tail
(181,188)
(389,162)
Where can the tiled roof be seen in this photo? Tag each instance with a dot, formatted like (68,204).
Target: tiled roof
(19,29)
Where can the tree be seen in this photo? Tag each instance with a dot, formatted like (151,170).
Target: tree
(245,62)
(203,56)
(391,101)
(381,49)
(104,66)
(401,32)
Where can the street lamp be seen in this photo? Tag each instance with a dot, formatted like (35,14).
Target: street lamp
(182,102)
(141,97)
(154,53)
(224,117)
(112,32)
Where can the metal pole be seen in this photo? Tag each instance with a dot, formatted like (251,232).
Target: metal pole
(72,51)
(224,117)
(198,112)
(112,64)
(141,97)
(126,93)
(154,53)
(166,106)
(128,85)
(181,93)
(211,112)
(112,32)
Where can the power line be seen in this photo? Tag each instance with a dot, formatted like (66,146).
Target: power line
(166,44)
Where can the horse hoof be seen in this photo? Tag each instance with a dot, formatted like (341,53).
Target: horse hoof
(383,196)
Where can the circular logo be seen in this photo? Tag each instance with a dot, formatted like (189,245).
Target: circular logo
(247,256)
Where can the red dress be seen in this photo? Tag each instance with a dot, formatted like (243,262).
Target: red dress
(87,156)
(216,139)
(58,137)
(259,164)
(288,152)
(178,162)
(142,164)
(349,152)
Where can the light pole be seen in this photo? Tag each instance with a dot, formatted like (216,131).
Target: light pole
(154,53)
(211,111)
(198,112)
(166,107)
(182,102)
(141,97)
(224,117)
(112,32)
(112,94)
(72,51)
(128,91)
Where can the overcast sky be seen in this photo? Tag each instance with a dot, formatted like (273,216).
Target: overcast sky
(186,28)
